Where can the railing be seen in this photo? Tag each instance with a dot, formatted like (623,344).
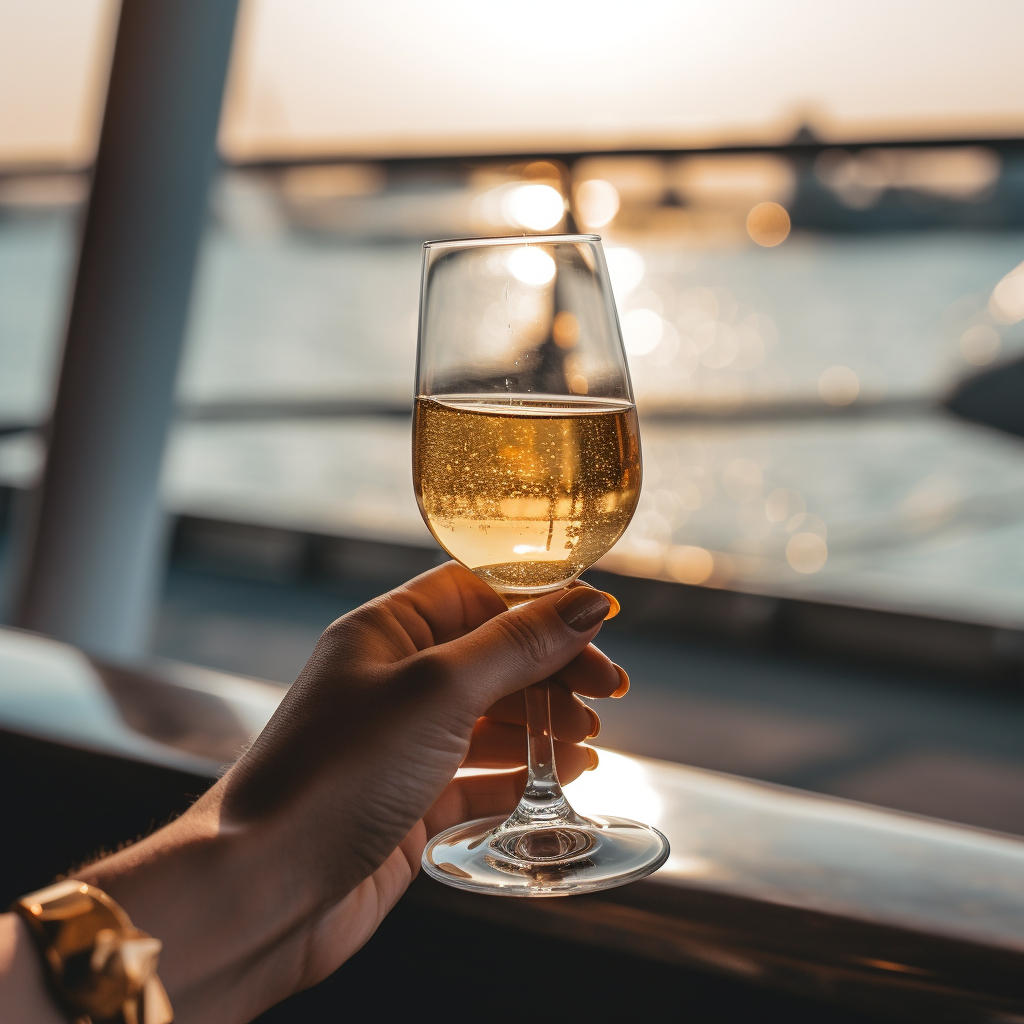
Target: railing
(890,913)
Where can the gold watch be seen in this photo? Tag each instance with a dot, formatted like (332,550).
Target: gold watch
(99,967)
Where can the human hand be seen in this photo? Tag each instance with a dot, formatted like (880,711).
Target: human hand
(288,864)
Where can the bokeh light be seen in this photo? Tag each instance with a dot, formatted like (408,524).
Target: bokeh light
(534,207)
(806,552)
(637,180)
(597,202)
(1007,302)
(717,343)
(839,385)
(735,181)
(332,181)
(642,330)
(532,266)
(783,504)
(689,564)
(565,330)
(768,224)
(625,268)
(742,479)
(858,180)
(980,344)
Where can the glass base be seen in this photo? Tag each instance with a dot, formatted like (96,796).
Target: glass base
(544,860)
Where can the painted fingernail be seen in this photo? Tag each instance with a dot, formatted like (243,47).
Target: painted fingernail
(615,607)
(623,682)
(594,759)
(582,608)
(595,724)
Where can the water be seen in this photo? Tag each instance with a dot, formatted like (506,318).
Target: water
(910,510)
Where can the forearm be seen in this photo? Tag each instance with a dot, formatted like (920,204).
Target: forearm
(226,906)
(228,950)
(23,996)
(231,926)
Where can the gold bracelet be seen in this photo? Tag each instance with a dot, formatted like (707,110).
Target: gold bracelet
(99,967)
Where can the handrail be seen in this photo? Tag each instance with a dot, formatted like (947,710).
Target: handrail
(859,905)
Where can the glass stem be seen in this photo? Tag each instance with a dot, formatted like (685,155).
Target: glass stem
(543,802)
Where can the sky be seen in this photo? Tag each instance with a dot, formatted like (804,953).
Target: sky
(408,77)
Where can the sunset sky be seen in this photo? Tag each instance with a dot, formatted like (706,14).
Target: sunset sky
(400,77)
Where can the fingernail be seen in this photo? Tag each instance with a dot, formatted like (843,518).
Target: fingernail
(594,759)
(595,724)
(623,684)
(582,608)
(615,607)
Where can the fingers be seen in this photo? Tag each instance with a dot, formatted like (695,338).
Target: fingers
(514,649)
(475,796)
(442,604)
(501,745)
(479,796)
(571,719)
(591,673)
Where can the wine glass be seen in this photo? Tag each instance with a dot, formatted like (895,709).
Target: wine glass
(526,462)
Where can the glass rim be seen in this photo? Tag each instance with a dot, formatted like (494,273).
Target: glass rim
(471,243)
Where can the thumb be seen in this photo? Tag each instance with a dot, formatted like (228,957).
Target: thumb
(518,647)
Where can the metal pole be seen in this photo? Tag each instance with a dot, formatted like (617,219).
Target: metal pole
(94,562)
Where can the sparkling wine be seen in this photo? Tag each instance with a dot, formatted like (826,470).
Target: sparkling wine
(526,490)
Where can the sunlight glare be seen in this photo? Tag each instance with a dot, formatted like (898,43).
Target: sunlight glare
(534,207)
(620,786)
(532,266)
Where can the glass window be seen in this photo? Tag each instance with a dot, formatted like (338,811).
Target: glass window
(815,231)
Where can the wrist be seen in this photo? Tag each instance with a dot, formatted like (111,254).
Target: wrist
(220,902)
(23,992)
